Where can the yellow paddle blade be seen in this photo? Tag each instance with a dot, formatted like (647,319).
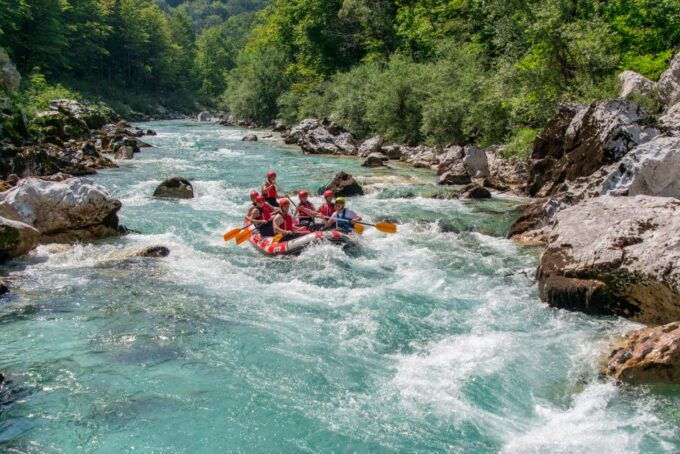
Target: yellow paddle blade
(359,228)
(386,227)
(244,236)
(277,238)
(231,234)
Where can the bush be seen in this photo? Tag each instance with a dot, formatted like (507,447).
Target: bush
(520,144)
(38,93)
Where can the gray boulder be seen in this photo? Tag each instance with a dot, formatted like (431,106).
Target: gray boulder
(670,121)
(669,83)
(343,184)
(633,84)
(475,191)
(16,238)
(455,174)
(249,138)
(10,79)
(649,169)
(175,188)
(375,160)
(372,145)
(615,256)
(70,210)
(203,116)
(392,151)
(475,162)
(124,152)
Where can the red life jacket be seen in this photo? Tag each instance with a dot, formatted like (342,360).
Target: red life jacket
(271,192)
(309,208)
(327,209)
(265,212)
(287,221)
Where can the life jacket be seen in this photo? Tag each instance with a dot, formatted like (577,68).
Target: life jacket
(304,213)
(287,221)
(265,212)
(327,209)
(343,222)
(271,192)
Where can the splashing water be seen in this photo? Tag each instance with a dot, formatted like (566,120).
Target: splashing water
(429,340)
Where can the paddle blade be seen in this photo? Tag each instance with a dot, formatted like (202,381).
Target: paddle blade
(386,227)
(243,236)
(277,238)
(231,234)
(359,228)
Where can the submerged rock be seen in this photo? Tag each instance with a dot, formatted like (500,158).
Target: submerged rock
(156,251)
(375,160)
(615,256)
(176,188)
(249,138)
(72,210)
(647,356)
(475,191)
(344,184)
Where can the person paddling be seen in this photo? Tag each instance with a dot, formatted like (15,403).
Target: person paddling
(249,213)
(269,190)
(343,217)
(283,221)
(261,217)
(328,208)
(305,210)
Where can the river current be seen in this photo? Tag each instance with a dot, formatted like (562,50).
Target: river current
(430,340)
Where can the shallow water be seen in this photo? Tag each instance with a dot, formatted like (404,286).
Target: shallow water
(429,340)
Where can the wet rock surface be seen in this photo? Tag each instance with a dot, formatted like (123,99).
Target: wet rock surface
(343,184)
(175,188)
(647,356)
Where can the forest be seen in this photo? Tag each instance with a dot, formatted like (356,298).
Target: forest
(413,71)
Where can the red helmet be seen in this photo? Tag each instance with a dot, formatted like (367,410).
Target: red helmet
(284,202)
(328,193)
(254,195)
(271,175)
(303,194)
(259,199)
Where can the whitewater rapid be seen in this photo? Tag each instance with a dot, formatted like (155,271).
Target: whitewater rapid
(433,339)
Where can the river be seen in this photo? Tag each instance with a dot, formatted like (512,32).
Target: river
(433,339)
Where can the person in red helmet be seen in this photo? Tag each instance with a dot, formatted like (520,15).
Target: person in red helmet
(328,208)
(283,221)
(253,198)
(261,217)
(305,210)
(269,190)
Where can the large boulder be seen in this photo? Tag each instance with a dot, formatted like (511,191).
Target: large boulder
(652,168)
(372,145)
(510,171)
(204,116)
(249,138)
(456,173)
(615,256)
(633,84)
(669,83)
(647,356)
(16,238)
(475,162)
(344,184)
(175,188)
(475,191)
(93,115)
(10,79)
(579,140)
(72,210)
(55,124)
(375,160)
(670,121)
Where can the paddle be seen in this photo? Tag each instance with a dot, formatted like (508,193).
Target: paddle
(231,234)
(245,235)
(277,238)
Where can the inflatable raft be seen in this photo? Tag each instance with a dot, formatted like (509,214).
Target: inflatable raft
(297,245)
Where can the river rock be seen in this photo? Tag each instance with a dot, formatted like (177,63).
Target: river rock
(670,121)
(375,160)
(204,116)
(579,140)
(633,84)
(249,138)
(344,184)
(507,171)
(475,191)
(52,123)
(72,210)
(124,152)
(16,238)
(456,173)
(669,83)
(369,146)
(652,169)
(475,162)
(615,256)
(93,115)
(176,188)
(647,356)
(10,79)
(392,152)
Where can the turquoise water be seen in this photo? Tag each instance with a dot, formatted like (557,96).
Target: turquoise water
(429,340)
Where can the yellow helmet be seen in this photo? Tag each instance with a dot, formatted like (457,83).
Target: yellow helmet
(340,200)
